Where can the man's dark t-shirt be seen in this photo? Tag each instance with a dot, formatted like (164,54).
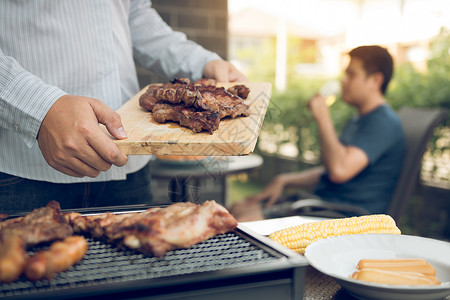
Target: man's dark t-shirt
(380,135)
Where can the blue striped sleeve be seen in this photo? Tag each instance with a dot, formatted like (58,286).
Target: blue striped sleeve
(163,50)
(24,100)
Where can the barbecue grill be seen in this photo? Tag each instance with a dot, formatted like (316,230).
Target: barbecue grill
(236,265)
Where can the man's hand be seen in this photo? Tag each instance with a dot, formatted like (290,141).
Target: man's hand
(272,192)
(223,71)
(250,209)
(318,107)
(72,142)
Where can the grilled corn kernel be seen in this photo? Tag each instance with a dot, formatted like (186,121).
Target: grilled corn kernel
(299,237)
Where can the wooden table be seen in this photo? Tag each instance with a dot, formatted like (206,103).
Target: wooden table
(319,286)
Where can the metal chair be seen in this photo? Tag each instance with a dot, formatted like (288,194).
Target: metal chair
(418,125)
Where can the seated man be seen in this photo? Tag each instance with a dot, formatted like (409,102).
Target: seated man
(362,166)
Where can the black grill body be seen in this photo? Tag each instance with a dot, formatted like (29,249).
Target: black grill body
(235,265)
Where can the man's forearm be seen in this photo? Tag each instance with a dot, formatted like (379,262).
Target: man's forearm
(332,150)
(24,99)
(341,162)
(303,179)
(162,50)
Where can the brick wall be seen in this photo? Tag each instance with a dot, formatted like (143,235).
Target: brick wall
(203,21)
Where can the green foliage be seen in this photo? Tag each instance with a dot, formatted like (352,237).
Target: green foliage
(425,89)
(260,55)
(261,60)
(431,88)
(289,121)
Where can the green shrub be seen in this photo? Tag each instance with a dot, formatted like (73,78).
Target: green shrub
(289,121)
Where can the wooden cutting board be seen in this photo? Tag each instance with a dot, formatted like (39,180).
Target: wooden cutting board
(233,137)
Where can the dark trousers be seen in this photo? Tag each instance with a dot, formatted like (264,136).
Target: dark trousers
(22,195)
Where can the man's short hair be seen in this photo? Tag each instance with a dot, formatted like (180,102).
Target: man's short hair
(375,59)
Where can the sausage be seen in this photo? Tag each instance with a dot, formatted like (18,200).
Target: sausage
(13,257)
(59,257)
(395,277)
(403,265)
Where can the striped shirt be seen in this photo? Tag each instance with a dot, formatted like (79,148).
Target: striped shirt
(80,47)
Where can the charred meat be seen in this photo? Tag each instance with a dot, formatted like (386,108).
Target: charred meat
(239,90)
(42,225)
(197,121)
(158,230)
(202,100)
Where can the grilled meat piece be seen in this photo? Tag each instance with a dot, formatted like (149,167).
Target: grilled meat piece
(178,93)
(180,225)
(95,225)
(42,225)
(168,93)
(3,217)
(197,121)
(6,223)
(158,230)
(201,100)
(180,81)
(208,98)
(205,82)
(228,105)
(239,90)
(148,99)
(13,257)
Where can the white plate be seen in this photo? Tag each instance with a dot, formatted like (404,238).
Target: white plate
(338,257)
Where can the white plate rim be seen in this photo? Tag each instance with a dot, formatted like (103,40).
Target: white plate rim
(328,242)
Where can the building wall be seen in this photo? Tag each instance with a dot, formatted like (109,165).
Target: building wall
(203,21)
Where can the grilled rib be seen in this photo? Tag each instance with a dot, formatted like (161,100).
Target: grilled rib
(186,116)
(158,230)
(228,105)
(239,90)
(44,224)
(193,105)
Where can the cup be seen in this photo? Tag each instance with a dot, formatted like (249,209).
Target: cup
(330,90)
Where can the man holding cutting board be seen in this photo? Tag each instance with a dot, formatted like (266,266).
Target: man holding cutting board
(65,67)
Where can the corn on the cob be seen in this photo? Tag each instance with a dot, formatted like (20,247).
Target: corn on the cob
(297,238)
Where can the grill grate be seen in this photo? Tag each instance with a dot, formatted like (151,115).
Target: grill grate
(104,263)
